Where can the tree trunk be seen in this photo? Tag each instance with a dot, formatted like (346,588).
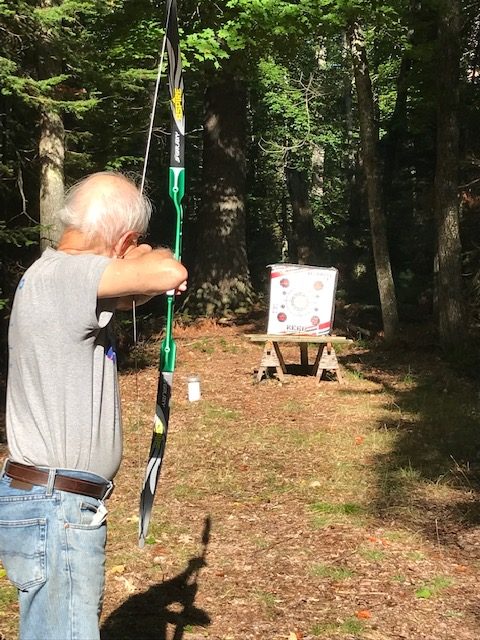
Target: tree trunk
(52,154)
(220,282)
(318,151)
(369,142)
(396,128)
(51,145)
(450,299)
(304,250)
(318,171)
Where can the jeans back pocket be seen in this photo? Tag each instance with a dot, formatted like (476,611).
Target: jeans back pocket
(23,551)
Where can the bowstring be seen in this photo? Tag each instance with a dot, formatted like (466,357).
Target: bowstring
(154,104)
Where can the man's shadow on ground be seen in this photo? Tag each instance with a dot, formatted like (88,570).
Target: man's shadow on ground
(169,605)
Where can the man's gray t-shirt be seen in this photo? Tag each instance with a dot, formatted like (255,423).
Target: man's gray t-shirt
(63,407)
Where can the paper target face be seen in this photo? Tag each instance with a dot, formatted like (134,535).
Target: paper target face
(301,299)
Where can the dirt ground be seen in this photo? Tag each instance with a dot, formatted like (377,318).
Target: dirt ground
(297,511)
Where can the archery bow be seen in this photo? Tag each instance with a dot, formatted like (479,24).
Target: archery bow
(176,191)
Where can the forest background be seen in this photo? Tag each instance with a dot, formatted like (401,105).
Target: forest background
(326,132)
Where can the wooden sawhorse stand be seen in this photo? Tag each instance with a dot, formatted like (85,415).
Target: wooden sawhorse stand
(272,357)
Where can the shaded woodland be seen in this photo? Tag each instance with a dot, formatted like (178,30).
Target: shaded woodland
(326,132)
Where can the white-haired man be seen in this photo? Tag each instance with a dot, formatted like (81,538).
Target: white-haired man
(63,409)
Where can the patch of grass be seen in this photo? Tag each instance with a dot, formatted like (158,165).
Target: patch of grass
(228,347)
(288,436)
(331,572)
(8,595)
(326,512)
(405,537)
(399,577)
(267,599)
(8,607)
(351,626)
(409,474)
(321,628)
(261,543)
(204,346)
(188,491)
(189,628)
(433,587)
(293,405)
(416,556)
(354,374)
(296,437)
(161,528)
(345,508)
(409,378)
(272,484)
(213,413)
(373,555)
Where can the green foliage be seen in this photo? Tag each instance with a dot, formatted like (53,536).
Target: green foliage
(99,73)
(20,236)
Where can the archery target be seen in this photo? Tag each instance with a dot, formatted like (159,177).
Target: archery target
(302,299)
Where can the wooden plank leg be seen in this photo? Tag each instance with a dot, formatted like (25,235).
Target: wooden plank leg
(279,355)
(317,369)
(270,359)
(304,356)
(339,373)
(327,359)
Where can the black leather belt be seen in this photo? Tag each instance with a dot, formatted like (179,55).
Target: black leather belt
(33,476)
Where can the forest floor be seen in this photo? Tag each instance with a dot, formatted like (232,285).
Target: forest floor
(296,511)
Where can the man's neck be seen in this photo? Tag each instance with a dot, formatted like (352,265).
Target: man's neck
(75,242)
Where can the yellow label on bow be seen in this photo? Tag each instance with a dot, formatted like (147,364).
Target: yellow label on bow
(177,103)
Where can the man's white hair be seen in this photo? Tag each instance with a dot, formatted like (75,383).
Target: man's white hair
(106,205)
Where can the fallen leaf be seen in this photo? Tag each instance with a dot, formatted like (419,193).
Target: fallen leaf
(184,538)
(363,614)
(118,568)
(133,519)
(127,584)
(461,568)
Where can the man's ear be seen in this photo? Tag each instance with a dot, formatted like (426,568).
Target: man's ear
(125,242)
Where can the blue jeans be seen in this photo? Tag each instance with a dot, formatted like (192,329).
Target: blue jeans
(55,555)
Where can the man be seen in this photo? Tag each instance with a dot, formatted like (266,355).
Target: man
(63,410)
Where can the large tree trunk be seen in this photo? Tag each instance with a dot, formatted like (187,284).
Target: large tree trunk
(396,127)
(52,154)
(51,145)
(369,141)
(318,151)
(451,318)
(318,171)
(304,246)
(221,281)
